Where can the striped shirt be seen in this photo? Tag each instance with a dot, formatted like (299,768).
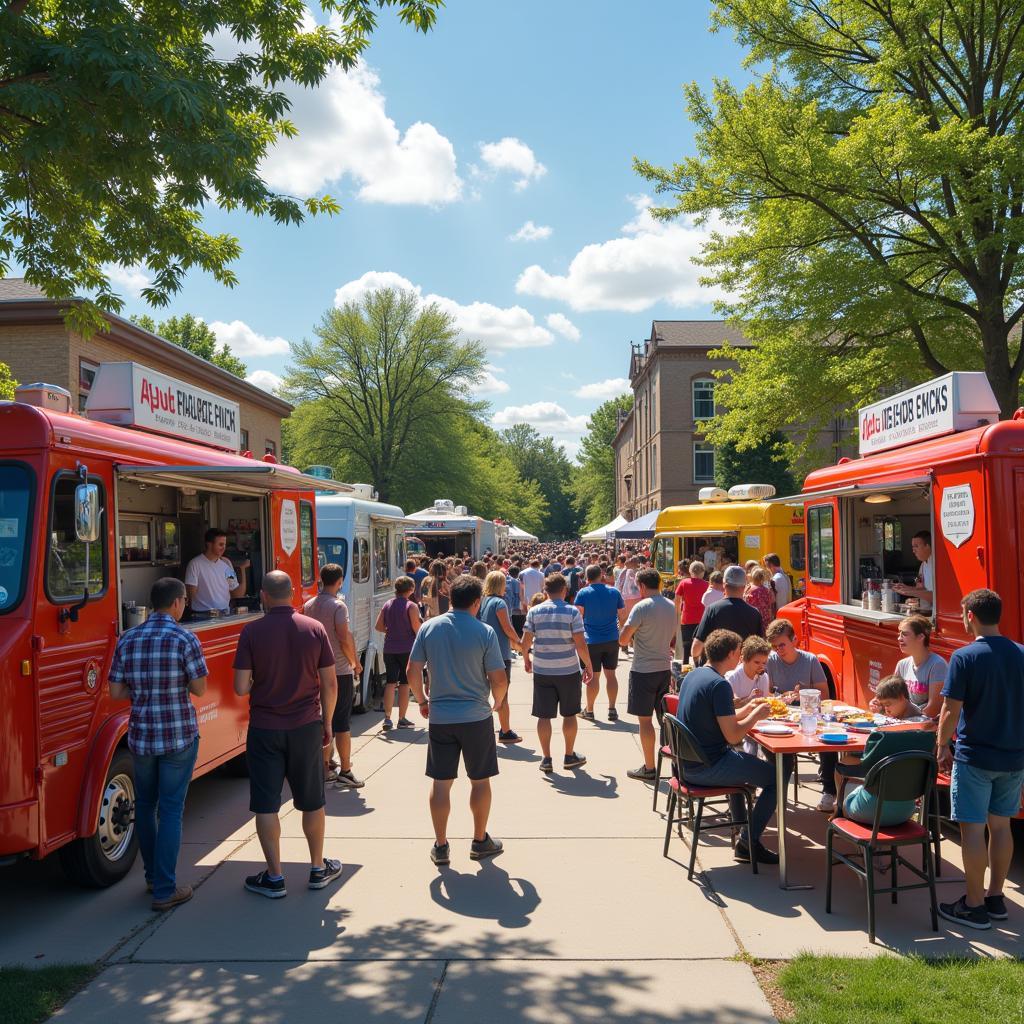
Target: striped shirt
(554,624)
(157,661)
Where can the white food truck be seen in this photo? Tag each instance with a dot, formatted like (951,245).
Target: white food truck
(448,529)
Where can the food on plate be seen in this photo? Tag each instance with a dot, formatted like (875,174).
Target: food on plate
(778,708)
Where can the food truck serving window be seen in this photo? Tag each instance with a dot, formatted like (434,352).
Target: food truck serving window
(381,565)
(15,504)
(821,543)
(306,542)
(65,555)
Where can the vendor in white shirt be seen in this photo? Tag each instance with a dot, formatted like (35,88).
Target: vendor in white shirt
(924,587)
(210,578)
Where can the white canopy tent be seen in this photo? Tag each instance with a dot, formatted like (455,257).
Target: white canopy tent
(601,533)
(515,533)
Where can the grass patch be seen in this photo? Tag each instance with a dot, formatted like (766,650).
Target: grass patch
(901,990)
(29,996)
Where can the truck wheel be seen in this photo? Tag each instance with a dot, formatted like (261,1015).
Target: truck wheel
(360,705)
(107,855)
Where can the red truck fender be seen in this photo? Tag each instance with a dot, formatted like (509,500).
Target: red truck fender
(106,742)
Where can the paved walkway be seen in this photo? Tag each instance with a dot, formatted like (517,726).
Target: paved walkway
(580,919)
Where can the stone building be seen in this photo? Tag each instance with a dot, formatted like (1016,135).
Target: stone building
(37,345)
(660,457)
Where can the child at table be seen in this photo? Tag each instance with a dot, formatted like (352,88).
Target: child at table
(892,699)
(749,679)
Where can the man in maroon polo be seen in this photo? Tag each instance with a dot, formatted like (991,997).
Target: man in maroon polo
(285,664)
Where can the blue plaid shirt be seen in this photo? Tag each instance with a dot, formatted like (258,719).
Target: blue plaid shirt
(157,661)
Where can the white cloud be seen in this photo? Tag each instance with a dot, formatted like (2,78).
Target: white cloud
(651,262)
(516,157)
(130,280)
(344,131)
(549,418)
(497,327)
(266,380)
(604,389)
(562,325)
(490,383)
(531,232)
(245,342)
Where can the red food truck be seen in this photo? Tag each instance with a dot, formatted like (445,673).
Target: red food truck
(92,511)
(935,458)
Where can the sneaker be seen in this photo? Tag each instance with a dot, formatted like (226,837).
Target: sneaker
(387,725)
(587,716)
(486,847)
(613,715)
(764,855)
(574,761)
(960,913)
(510,737)
(996,907)
(319,878)
(441,854)
(347,780)
(642,774)
(330,778)
(404,723)
(180,895)
(262,884)
(546,765)
(827,803)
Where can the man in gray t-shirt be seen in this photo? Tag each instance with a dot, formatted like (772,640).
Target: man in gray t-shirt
(651,628)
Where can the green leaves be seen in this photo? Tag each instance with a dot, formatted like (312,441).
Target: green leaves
(194,334)
(7,383)
(119,124)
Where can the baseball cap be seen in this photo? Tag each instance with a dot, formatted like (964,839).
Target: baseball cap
(735,576)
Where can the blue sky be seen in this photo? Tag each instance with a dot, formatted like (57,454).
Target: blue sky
(441,148)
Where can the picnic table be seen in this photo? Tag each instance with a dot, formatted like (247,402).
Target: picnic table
(798,743)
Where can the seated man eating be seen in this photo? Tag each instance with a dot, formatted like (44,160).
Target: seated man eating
(706,709)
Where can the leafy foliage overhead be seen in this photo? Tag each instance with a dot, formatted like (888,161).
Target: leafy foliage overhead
(119,125)
(194,334)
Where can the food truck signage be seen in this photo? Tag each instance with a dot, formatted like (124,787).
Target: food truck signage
(956,514)
(132,395)
(957,401)
(289,527)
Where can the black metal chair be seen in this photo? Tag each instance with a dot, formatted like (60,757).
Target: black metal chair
(669,705)
(907,775)
(684,747)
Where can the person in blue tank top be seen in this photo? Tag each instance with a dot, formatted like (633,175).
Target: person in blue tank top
(495,613)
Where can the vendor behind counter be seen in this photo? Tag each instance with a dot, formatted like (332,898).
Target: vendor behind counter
(211,580)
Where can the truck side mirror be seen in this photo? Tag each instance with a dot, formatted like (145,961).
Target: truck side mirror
(87,513)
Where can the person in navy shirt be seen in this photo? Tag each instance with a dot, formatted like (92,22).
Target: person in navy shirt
(603,610)
(983,704)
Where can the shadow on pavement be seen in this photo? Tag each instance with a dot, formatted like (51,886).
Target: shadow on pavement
(581,783)
(489,893)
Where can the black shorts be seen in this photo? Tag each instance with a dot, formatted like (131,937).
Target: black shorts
(646,690)
(274,755)
(554,695)
(518,621)
(341,720)
(473,740)
(394,667)
(604,655)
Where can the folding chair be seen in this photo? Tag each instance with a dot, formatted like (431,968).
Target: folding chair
(669,705)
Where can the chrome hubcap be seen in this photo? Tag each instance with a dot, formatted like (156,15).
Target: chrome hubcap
(117,817)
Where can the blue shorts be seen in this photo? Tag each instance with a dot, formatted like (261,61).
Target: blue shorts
(977,792)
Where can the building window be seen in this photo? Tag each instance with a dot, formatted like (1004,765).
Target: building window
(86,376)
(703,399)
(703,463)
(243,436)
(654,466)
(269,448)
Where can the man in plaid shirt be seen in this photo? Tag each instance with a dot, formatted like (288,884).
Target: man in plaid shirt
(156,666)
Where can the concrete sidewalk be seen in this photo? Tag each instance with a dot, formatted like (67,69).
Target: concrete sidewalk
(580,918)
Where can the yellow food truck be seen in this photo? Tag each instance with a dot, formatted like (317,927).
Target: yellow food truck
(740,524)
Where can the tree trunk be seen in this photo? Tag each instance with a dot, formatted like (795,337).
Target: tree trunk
(1005,384)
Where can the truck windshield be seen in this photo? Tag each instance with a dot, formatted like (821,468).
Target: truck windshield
(332,550)
(15,500)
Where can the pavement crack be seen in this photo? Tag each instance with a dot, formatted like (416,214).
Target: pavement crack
(432,1009)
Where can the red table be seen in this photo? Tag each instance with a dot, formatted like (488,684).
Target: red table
(797,743)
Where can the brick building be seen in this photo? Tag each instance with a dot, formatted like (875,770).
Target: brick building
(38,346)
(660,457)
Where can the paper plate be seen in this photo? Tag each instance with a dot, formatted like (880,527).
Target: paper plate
(774,729)
(839,740)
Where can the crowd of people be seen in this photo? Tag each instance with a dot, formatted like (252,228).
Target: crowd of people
(451,632)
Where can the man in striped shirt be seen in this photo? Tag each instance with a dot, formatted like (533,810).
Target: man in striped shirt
(553,650)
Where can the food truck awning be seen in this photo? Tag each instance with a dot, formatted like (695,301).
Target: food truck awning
(852,490)
(711,532)
(261,476)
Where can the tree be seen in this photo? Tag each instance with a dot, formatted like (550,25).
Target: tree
(540,459)
(193,333)
(7,383)
(385,373)
(594,480)
(119,124)
(765,464)
(868,189)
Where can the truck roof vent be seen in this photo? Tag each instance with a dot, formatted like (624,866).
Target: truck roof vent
(364,491)
(44,396)
(710,494)
(461,510)
(751,492)
(444,505)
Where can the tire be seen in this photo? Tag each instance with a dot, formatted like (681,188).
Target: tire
(360,705)
(106,856)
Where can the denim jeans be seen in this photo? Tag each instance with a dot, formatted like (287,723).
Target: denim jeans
(161,782)
(738,768)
